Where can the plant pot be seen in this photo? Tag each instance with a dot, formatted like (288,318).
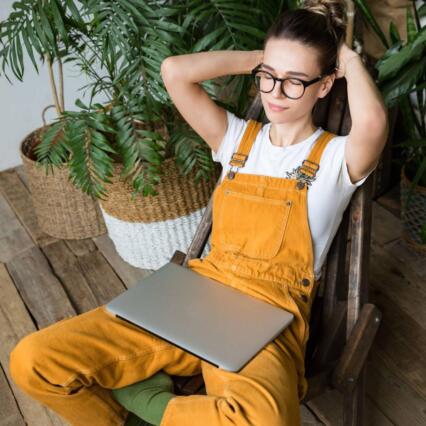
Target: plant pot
(62,210)
(146,231)
(414,215)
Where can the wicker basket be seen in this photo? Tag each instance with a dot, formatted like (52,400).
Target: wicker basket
(146,231)
(414,216)
(62,210)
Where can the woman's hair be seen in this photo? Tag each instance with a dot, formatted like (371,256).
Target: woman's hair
(320,24)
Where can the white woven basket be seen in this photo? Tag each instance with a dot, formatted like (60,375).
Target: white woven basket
(151,245)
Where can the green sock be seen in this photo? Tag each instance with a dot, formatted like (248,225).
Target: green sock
(148,398)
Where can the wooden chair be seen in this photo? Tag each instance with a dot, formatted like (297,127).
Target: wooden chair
(343,324)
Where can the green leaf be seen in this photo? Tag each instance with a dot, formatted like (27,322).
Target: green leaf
(411,26)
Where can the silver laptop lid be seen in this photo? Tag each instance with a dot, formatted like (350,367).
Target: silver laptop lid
(209,319)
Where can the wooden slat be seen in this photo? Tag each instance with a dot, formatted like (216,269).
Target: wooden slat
(360,229)
(41,291)
(307,417)
(328,407)
(129,274)
(20,200)
(10,414)
(332,340)
(201,235)
(399,342)
(66,267)
(393,279)
(385,226)
(81,247)
(392,396)
(101,278)
(411,262)
(13,237)
(391,201)
(20,171)
(15,323)
(357,347)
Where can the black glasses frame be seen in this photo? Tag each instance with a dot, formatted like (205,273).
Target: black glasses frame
(281,80)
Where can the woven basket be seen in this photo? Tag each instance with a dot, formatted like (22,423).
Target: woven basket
(146,231)
(414,216)
(62,210)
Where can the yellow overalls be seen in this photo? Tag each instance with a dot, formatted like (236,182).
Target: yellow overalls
(260,244)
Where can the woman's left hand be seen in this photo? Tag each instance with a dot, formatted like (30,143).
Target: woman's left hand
(344,55)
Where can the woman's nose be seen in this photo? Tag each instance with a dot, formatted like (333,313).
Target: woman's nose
(277,93)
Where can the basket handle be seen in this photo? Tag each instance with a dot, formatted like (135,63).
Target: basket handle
(43,114)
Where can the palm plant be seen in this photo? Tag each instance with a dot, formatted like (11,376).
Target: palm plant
(119,45)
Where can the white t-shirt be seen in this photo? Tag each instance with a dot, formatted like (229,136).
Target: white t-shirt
(328,195)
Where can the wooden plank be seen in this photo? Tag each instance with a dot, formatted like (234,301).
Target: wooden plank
(81,247)
(328,407)
(399,342)
(66,267)
(393,279)
(412,262)
(20,171)
(10,414)
(128,273)
(13,237)
(41,291)
(385,226)
(20,200)
(391,201)
(15,323)
(357,347)
(307,417)
(102,279)
(392,396)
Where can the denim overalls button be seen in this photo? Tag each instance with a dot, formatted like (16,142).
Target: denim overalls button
(305,282)
(300,185)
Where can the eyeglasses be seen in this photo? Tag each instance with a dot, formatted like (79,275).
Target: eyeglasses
(292,88)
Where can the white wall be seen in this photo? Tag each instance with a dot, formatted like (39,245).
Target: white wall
(22,103)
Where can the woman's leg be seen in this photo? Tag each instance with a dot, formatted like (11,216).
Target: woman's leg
(264,392)
(72,365)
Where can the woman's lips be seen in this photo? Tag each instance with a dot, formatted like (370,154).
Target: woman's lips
(276,107)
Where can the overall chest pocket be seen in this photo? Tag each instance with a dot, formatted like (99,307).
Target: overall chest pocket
(252,225)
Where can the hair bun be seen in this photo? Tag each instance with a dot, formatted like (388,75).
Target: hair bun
(335,13)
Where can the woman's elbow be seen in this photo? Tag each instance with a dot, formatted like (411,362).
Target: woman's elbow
(167,67)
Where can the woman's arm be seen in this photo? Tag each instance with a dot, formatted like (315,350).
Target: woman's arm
(182,74)
(370,126)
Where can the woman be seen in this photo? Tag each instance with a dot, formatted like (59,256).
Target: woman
(275,214)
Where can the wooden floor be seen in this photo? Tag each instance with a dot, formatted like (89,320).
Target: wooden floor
(43,280)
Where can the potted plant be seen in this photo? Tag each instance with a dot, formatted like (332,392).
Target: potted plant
(402,80)
(47,32)
(135,153)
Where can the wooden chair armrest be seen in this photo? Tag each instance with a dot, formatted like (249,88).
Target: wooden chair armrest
(178,257)
(355,352)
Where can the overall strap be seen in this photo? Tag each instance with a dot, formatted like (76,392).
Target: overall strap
(311,165)
(239,157)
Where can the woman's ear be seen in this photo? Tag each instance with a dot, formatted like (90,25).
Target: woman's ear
(326,85)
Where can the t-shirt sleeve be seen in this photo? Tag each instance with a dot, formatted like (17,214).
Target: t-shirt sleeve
(231,139)
(344,179)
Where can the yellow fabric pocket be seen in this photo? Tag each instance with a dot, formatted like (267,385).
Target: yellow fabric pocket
(251,225)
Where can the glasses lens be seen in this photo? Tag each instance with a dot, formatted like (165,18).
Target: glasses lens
(264,82)
(293,88)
